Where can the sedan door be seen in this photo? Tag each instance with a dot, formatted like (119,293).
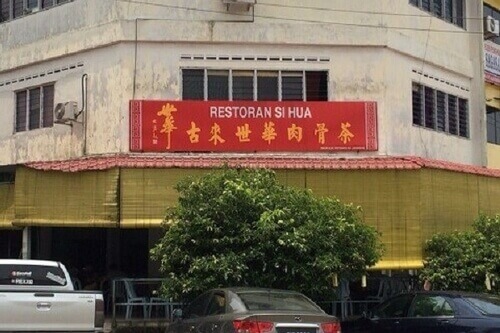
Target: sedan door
(390,315)
(193,316)
(430,313)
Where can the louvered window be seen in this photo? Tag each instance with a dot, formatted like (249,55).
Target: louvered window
(417,98)
(205,84)
(463,118)
(34,108)
(218,85)
(441,111)
(452,114)
(243,85)
(429,108)
(12,9)
(452,11)
(437,110)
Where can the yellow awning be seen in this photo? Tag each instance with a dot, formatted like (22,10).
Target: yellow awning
(66,199)
(398,264)
(147,193)
(6,206)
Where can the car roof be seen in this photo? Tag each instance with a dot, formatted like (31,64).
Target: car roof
(29,262)
(454,293)
(256,290)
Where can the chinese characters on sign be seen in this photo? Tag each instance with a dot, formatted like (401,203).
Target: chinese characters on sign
(160,126)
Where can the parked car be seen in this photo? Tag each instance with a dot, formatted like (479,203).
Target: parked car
(252,310)
(38,295)
(431,311)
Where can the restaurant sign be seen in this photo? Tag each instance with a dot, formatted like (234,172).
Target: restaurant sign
(244,126)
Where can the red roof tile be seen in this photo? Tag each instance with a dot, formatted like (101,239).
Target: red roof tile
(103,162)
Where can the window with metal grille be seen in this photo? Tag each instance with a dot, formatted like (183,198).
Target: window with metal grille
(449,10)
(439,111)
(12,9)
(193,84)
(218,85)
(417,98)
(463,117)
(243,85)
(34,108)
(207,84)
(429,108)
(452,115)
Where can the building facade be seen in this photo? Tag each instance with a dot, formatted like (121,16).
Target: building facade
(87,165)
(492,81)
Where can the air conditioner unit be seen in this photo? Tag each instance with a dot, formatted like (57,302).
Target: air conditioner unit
(31,10)
(491,27)
(65,111)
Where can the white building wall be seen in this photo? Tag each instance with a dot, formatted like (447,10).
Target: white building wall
(132,49)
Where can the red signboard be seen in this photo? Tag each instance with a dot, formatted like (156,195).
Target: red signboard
(238,126)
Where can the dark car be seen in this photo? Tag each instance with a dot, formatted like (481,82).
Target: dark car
(431,311)
(253,310)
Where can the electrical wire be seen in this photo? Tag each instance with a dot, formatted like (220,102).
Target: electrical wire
(139,2)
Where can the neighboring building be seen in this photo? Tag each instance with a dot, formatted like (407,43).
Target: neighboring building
(390,95)
(492,79)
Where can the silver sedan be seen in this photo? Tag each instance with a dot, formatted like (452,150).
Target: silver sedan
(252,310)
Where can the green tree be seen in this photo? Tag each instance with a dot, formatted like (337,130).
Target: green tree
(461,260)
(241,227)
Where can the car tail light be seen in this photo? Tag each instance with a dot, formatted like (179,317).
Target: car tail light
(252,326)
(333,327)
(99,312)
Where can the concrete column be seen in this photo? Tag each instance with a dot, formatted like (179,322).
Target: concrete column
(26,247)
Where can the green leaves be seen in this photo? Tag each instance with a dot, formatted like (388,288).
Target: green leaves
(461,260)
(243,228)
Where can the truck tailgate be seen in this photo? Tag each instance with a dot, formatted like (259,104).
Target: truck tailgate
(47,310)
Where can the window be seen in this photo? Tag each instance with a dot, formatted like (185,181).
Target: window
(267,86)
(33,275)
(11,9)
(493,129)
(218,85)
(34,108)
(495,13)
(217,304)
(430,306)
(394,308)
(439,111)
(449,10)
(203,84)
(197,307)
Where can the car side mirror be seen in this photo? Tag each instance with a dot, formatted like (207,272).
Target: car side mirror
(177,314)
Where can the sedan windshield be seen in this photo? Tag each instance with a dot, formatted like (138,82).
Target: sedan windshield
(255,301)
(489,305)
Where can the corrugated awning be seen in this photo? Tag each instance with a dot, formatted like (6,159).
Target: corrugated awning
(61,199)
(6,206)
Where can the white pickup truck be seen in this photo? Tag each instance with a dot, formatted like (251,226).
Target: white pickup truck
(38,295)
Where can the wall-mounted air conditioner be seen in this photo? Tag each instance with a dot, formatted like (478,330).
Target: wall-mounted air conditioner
(31,10)
(65,111)
(491,27)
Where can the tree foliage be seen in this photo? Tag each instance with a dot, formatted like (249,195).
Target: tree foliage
(461,260)
(243,228)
